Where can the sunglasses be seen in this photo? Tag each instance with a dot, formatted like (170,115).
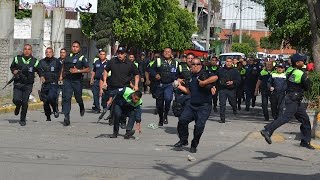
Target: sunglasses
(196,64)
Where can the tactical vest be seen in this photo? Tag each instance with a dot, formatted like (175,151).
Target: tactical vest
(185,71)
(27,68)
(166,70)
(50,70)
(70,62)
(126,96)
(265,77)
(289,70)
(294,80)
(279,81)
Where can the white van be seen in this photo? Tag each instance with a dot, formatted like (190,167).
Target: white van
(233,55)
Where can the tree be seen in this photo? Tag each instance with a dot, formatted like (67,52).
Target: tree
(252,43)
(244,48)
(154,24)
(22,13)
(269,44)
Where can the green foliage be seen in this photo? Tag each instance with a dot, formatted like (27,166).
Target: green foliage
(288,20)
(87,24)
(243,48)
(22,13)
(314,93)
(154,24)
(108,11)
(252,43)
(268,43)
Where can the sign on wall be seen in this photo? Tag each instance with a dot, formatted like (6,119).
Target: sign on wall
(89,6)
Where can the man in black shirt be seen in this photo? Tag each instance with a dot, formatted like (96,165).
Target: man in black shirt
(229,80)
(200,106)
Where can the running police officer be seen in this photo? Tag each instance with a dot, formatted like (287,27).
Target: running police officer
(24,68)
(252,74)
(151,81)
(229,80)
(181,98)
(74,65)
(127,103)
(240,92)
(213,68)
(200,105)
(50,69)
(96,77)
(164,71)
(262,83)
(298,83)
(122,71)
(63,55)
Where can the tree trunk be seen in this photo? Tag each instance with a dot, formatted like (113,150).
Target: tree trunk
(313,6)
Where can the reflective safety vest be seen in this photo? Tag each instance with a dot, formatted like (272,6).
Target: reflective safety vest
(27,68)
(166,70)
(127,97)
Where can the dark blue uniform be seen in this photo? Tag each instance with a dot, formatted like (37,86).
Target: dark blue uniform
(73,84)
(198,109)
(297,83)
(168,71)
(98,68)
(22,86)
(60,86)
(214,70)
(228,91)
(252,74)
(50,69)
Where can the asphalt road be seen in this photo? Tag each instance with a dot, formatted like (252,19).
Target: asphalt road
(234,150)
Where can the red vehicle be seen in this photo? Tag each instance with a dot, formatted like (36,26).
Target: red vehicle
(197,53)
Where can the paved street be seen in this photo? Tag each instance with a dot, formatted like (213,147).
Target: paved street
(235,150)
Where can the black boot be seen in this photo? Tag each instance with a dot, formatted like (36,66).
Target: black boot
(215,108)
(48,118)
(197,133)
(17,110)
(82,110)
(129,134)
(222,120)
(165,118)
(66,121)
(183,133)
(114,135)
(22,122)
(181,143)
(239,107)
(160,118)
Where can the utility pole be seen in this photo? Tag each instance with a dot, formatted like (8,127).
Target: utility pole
(208,26)
(240,8)
(58,27)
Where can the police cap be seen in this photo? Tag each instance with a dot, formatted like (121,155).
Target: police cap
(298,57)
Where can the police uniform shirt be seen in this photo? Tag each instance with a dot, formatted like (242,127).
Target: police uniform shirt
(199,95)
(50,69)
(28,66)
(74,60)
(121,72)
(98,68)
(168,70)
(264,77)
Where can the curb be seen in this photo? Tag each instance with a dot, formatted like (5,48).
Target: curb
(36,106)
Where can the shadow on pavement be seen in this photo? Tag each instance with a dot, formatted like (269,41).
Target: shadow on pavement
(271,155)
(217,171)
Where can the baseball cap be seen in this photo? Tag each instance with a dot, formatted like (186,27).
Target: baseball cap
(121,49)
(280,65)
(298,57)
(143,54)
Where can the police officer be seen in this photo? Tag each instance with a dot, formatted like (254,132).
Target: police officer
(96,77)
(151,81)
(190,57)
(122,72)
(63,55)
(262,84)
(143,63)
(127,103)
(213,68)
(252,74)
(200,105)
(50,69)
(74,65)
(278,86)
(229,80)
(298,83)
(181,98)
(24,68)
(240,92)
(164,71)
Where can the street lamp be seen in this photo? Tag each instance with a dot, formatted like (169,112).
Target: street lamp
(240,8)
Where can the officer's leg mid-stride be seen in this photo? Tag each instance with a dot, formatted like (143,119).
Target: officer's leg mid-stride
(198,113)
(49,98)
(21,93)
(163,102)
(293,109)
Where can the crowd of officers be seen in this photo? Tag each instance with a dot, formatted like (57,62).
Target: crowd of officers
(193,84)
